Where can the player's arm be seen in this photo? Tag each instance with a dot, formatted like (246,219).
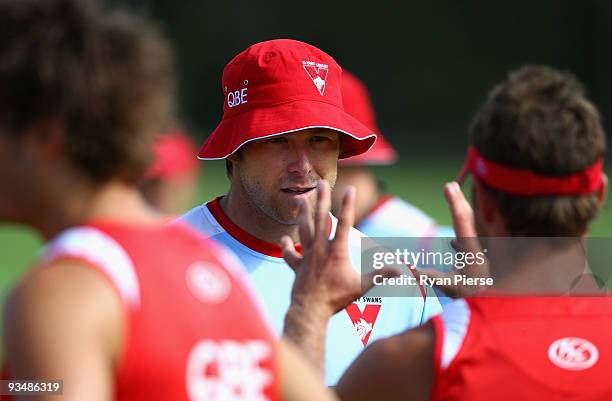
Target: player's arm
(298,381)
(396,368)
(306,327)
(64,322)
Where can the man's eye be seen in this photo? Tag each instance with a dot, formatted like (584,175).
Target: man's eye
(277,140)
(320,138)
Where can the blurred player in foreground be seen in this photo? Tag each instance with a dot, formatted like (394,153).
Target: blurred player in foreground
(376,214)
(170,182)
(536,152)
(120,305)
(282,132)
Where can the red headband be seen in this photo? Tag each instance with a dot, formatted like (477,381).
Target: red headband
(521,181)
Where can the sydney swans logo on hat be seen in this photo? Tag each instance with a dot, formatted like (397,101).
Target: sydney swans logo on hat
(318,73)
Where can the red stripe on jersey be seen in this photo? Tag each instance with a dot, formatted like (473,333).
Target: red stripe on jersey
(383,200)
(248,240)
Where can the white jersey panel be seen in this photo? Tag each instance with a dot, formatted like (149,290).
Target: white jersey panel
(455,318)
(102,251)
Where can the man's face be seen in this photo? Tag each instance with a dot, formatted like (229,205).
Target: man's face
(276,173)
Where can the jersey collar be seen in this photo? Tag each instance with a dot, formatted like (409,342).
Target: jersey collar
(245,238)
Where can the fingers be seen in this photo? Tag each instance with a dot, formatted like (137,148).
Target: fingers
(346,219)
(461,211)
(450,290)
(367,281)
(291,256)
(305,226)
(321,217)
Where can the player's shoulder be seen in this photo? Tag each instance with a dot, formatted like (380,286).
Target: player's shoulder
(417,339)
(47,312)
(201,220)
(60,281)
(397,218)
(61,294)
(399,208)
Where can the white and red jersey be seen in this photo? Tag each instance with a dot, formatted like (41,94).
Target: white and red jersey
(349,331)
(524,348)
(193,329)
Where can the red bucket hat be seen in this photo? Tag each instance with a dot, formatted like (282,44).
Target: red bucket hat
(279,87)
(357,102)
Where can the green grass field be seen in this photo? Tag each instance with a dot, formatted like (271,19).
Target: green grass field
(420,182)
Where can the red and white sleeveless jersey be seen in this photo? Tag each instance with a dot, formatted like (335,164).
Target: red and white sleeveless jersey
(524,348)
(193,328)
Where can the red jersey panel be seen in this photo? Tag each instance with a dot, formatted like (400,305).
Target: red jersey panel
(524,348)
(193,328)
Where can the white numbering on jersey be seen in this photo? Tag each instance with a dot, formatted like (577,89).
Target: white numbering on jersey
(228,370)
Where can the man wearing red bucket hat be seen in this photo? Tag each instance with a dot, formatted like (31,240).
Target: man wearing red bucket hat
(536,156)
(283,130)
(376,214)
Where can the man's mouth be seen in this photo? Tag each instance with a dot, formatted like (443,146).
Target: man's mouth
(297,190)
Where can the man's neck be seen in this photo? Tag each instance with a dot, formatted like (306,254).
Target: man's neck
(250,219)
(73,204)
(540,267)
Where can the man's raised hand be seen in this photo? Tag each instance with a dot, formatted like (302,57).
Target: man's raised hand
(466,241)
(324,276)
(325,279)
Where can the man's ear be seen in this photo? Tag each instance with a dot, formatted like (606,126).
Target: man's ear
(484,200)
(234,158)
(603,191)
(50,138)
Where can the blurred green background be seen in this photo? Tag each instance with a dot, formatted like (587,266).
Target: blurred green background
(419,181)
(428,65)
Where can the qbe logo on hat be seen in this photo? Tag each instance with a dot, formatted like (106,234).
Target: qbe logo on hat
(317,73)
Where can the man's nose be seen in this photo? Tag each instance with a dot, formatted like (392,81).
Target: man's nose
(300,162)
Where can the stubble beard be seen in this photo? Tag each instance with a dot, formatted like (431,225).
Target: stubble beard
(265,205)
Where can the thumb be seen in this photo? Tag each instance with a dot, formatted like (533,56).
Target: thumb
(291,256)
